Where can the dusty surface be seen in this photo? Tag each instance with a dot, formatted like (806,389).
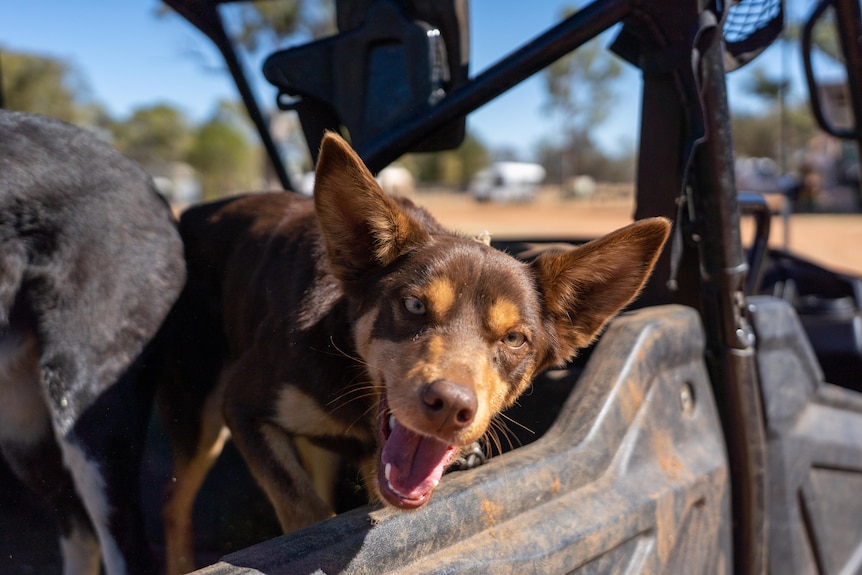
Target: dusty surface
(833,240)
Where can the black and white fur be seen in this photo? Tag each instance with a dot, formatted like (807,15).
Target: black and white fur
(90,264)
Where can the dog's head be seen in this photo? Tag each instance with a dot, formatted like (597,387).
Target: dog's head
(451,330)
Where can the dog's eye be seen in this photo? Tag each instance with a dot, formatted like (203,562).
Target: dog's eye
(514,339)
(414,305)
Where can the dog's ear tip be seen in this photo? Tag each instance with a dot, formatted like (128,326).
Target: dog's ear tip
(665,222)
(657,223)
(331,137)
(657,229)
(333,144)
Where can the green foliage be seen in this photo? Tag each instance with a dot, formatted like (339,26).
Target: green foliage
(454,167)
(579,92)
(761,135)
(578,86)
(824,37)
(267,24)
(591,161)
(766,87)
(153,136)
(756,136)
(225,160)
(41,85)
(222,149)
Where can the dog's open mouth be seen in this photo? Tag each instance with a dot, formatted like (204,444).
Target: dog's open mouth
(410,464)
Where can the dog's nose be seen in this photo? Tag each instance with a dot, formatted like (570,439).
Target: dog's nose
(449,406)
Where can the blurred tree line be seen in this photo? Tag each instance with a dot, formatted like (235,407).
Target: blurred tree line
(221,149)
(226,155)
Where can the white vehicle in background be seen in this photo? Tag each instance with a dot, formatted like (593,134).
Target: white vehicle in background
(507,182)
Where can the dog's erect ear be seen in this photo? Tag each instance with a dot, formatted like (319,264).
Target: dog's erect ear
(363,227)
(585,287)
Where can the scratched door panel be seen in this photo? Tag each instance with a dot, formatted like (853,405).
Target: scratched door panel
(631,478)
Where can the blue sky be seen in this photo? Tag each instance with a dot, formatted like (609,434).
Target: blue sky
(130,58)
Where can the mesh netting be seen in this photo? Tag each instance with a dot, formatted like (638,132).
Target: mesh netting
(751,26)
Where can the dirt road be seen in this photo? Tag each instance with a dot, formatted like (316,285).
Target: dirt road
(833,240)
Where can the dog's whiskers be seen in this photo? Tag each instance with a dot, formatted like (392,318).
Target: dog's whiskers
(499,434)
(353,388)
(516,422)
(342,353)
(359,384)
(499,428)
(361,416)
(358,394)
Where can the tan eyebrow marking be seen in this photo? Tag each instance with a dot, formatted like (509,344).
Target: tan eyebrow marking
(503,315)
(441,295)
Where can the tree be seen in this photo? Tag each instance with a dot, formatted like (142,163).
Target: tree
(452,167)
(153,135)
(765,87)
(578,88)
(578,85)
(266,25)
(592,161)
(42,86)
(760,135)
(473,156)
(824,36)
(223,156)
(269,24)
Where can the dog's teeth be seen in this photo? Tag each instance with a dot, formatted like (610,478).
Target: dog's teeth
(391,422)
(387,471)
(435,483)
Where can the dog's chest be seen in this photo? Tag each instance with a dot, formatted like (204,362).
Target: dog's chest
(331,424)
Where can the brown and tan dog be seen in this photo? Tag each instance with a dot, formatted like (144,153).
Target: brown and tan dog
(356,326)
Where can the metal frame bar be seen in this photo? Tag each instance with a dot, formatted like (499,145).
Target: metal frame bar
(729,336)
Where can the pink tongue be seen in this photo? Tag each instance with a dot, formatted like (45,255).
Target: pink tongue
(416,462)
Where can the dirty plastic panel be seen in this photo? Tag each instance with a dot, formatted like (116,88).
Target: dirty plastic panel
(814,434)
(631,478)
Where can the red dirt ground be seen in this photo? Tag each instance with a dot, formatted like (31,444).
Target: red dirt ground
(832,240)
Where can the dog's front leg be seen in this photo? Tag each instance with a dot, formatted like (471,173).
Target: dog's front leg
(189,473)
(272,456)
(321,465)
